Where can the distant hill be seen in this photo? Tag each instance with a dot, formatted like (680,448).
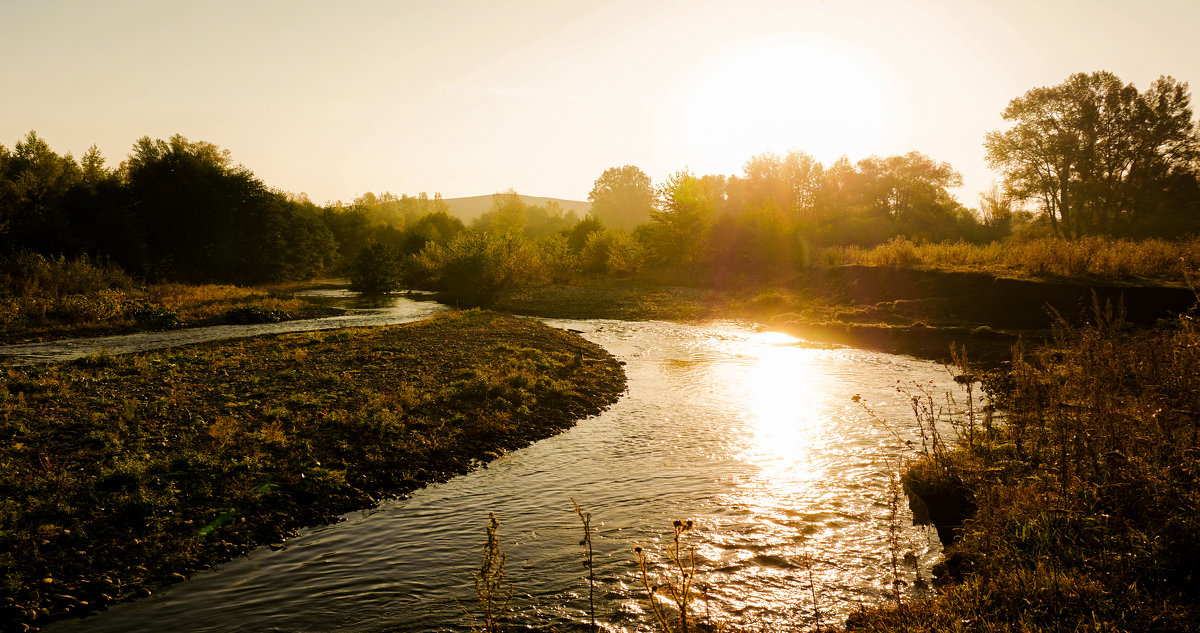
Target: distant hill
(467,209)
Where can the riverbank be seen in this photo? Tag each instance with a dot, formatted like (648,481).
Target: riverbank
(47,316)
(891,309)
(127,473)
(1080,511)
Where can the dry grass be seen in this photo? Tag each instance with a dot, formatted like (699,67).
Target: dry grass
(1087,494)
(56,298)
(1093,257)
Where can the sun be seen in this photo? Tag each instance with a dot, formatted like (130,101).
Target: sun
(814,95)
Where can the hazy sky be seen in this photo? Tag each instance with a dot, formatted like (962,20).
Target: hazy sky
(469,98)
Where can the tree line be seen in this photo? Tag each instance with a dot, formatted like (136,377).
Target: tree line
(1091,156)
(182,210)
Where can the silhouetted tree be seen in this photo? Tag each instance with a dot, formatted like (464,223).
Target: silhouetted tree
(622,197)
(680,223)
(34,182)
(912,191)
(508,215)
(789,183)
(206,219)
(1098,157)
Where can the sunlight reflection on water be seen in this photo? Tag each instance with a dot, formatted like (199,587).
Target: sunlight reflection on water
(752,434)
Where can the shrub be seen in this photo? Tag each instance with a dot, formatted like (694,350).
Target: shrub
(477,268)
(376,270)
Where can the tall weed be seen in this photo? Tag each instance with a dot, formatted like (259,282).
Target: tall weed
(1098,257)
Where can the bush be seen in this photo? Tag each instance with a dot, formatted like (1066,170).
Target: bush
(26,274)
(247,315)
(376,270)
(477,268)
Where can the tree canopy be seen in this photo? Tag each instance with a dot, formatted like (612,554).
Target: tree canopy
(176,209)
(622,197)
(1098,157)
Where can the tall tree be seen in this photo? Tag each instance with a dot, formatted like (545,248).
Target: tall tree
(33,183)
(1098,157)
(622,197)
(788,183)
(911,190)
(681,221)
(206,219)
(508,214)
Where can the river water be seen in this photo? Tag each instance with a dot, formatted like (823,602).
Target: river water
(754,436)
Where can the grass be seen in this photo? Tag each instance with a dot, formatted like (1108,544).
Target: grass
(125,473)
(52,298)
(909,298)
(153,307)
(1089,258)
(1084,502)
(602,298)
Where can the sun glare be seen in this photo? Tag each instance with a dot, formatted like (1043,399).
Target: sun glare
(783,399)
(816,95)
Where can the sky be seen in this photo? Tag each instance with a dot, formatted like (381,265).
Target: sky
(473,97)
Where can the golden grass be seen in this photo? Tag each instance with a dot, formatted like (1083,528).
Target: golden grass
(1092,257)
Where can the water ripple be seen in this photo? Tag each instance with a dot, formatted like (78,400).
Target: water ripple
(750,434)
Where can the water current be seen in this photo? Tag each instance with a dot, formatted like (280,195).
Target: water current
(754,436)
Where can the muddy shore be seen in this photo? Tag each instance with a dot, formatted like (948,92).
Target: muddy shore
(896,310)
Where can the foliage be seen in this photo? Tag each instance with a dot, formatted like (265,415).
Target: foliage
(679,226)
(376,270)
(562,264)
(246,315)
(622,197)
(492,592)
(398,212)
(510,214)
(41,298)
(177,210)
(614,253)
(677,588)
(477,269)
(432,229)
(1098,157)
(26,274)
(1086,492)
(207,220)
(577,235)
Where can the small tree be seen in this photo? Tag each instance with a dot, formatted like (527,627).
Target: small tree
(622,197)
(376,270)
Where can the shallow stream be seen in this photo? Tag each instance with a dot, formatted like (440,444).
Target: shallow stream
(755,436)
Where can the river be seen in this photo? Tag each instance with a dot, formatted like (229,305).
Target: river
(754,436)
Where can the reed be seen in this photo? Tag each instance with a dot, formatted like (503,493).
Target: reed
(492,591)
(1085,496)
(585,518)
(1090,257)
